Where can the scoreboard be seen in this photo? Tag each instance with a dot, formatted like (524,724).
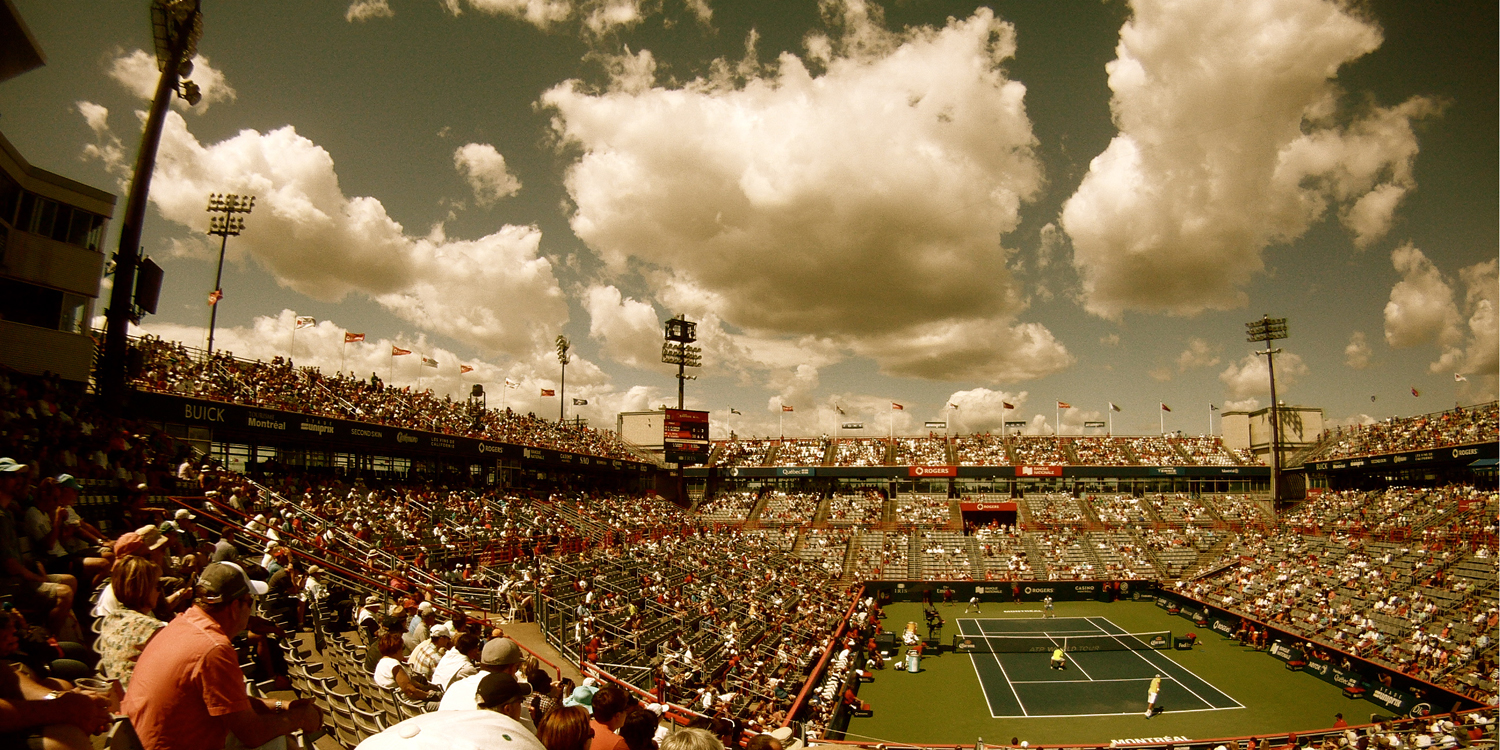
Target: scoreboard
(685,436)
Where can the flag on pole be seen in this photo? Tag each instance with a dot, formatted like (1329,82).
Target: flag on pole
(548,392)
(1112,406)
(784,407)
(305,321)
(838,408)
(429,362)
(1211,407)
(953,406)
(1416,392)
(215,296)
(1064,405)
(733,410)
(511,384)
(1164,407)
(580,402)
(897,407)
(397,351)
(464,368)
(1459,378)
(1007,405)
(350,338)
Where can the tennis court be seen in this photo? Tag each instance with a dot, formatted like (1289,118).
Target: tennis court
(1108,670)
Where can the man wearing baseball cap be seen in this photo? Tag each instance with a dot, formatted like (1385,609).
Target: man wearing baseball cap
(500,656)
(188,691)
(496,725)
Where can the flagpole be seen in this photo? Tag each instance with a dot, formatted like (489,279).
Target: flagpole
(390,372)
(344,355)
(1210,420)
(1111,412)
(780,415)
(1161,419)
(291,352)
(1056,418)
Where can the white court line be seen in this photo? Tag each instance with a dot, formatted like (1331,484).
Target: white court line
(1082,682)
(1128,713)
(980,678)
(1172,663)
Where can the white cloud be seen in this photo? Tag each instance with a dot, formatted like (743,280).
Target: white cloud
(983,410)
(137,72)
(1478,352)
(1230,141)
(1198,354)
(1357,353)
(628,329)
(496,292)
(1112,339)
(596,16)
(1248,404)
(905,159)
(1249,376)
(1421,307)
(364,10)
(484,169)
(107,147)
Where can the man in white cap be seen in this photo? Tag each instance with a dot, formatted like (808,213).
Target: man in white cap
(420,628)
(424,658)
(188,690)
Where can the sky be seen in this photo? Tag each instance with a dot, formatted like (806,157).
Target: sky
(942,205)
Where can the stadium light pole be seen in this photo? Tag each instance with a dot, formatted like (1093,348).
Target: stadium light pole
(675,350)
(224,227)
(1270,329)
(176,26)
(562,392)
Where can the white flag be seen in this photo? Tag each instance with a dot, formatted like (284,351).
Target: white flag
(511,384)
(306,321)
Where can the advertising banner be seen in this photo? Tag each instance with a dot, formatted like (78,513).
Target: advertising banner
(932,471)
(1039,471)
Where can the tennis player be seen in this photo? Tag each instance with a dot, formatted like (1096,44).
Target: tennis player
(1058,660)
(1151,695)
(1047,606)
(973,604)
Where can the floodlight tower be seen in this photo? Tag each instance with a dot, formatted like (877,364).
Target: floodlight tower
(675,350)
(562,393)
(177,26)
(224,227)
(1270,329)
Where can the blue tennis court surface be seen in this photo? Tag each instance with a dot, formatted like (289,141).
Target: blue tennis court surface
(1095,683)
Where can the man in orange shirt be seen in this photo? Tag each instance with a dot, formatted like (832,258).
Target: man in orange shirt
(188,692)
(609,707)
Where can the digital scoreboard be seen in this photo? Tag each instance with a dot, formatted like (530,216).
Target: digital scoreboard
(685,436)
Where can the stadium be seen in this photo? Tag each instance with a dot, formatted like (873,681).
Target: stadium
(225,537)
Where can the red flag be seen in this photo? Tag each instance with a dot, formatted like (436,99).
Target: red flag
(1064,405)
(784,407)
(1415,392)
(897,407)
(1164,407)
(464,368)
(350,338)
(397,351)
(548,392)
(1007,405)
(215,296)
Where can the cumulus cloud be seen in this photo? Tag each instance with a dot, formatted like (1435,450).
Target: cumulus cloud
(810,192)
(137,72)
(1230,138)
(1478,350)
(1198,354)
(1421,307)
(484,169)
(1247,404)
(106,147)
(364,10)
(594,16)
(496,292)
(1357,353)
(628,329)
(983,410)
(1249,376)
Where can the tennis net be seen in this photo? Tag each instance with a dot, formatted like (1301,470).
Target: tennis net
(1012,644)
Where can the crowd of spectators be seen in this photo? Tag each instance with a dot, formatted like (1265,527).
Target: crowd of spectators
(1037,450)
(856,508)
(1155,450)
(170,367)
(1098,451)
(916,451)
(737,452)
(727,507)
(881,555)
(1206,450)
(801,452)
(917,509)
(789,508)
(981,450)
(1459,426)
(1004,552)
(860,452)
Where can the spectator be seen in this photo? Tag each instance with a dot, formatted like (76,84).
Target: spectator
(136,583)
(35,712)
(495,725)
(458,662)
(638,730)
(500,655)
(425,657)
(391,674)
(566,728)
(188,690)
(52,593)
(609,706)
(691,739)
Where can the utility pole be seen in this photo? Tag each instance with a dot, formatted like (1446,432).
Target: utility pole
(225,226)
(1270,329)
(562,393)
